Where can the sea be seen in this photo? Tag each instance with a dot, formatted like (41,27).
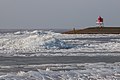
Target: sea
(41,54)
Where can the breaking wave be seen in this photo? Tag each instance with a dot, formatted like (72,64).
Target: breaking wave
(48,43)
(34,41)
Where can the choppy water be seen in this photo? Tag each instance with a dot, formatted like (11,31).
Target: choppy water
(45,55)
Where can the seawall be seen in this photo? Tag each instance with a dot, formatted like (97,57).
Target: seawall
(95,30)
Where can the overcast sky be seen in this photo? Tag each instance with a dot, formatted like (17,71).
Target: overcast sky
(57,13)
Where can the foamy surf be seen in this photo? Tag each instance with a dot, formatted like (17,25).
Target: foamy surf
(86,71)
(48,43)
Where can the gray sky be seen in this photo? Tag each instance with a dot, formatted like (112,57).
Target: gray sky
(57,13)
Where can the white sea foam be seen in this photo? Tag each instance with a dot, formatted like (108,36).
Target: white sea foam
(86,71)
(48,43)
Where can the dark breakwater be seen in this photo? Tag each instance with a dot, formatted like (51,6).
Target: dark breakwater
(95,30)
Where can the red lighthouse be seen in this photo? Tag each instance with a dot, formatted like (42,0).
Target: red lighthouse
(99,22)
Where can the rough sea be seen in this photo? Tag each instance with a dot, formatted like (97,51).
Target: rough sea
(50,55)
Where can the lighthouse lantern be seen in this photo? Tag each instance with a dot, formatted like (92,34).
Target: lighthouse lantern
(99,22)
